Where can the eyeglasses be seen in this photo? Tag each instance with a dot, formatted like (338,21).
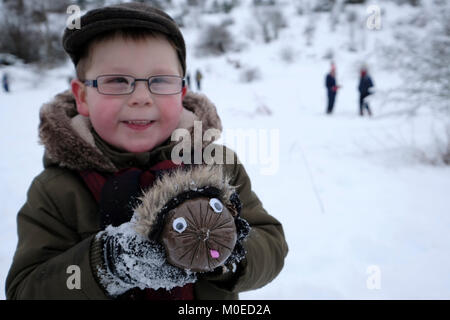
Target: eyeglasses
(117,84)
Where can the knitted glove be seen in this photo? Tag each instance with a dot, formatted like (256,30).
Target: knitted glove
(131,260)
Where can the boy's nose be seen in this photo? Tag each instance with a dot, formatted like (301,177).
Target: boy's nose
(141,95)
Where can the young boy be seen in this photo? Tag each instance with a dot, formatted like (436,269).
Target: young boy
(106,141)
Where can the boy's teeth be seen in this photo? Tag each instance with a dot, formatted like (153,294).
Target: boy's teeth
(139,122)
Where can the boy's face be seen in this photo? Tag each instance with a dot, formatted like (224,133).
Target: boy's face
(140,121)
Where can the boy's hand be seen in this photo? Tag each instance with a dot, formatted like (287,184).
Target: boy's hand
(134,261)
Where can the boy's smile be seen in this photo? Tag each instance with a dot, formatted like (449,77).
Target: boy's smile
(139,124)
(139,121)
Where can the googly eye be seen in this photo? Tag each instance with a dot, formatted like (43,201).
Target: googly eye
(179,224)
(216,205)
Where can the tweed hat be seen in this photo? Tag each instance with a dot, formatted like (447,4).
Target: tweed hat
(125,15)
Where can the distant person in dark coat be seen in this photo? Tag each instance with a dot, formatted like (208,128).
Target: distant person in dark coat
(198,78)
(188,79)
(365,83)
(332,88)
(5,82)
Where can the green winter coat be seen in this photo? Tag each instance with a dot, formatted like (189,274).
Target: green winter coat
(60,219)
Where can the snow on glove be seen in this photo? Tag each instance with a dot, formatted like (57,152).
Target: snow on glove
(132,260)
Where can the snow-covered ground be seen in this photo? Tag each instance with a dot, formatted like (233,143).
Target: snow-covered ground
(365,216)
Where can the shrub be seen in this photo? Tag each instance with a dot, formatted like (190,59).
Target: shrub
(287,54)
(215,40)
(250,74)
(27,32)
(270,21)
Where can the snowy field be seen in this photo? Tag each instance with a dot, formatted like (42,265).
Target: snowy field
(365,216)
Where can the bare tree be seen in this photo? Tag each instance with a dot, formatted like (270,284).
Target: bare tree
(335,14)
(421,55)
(270,21)
(352,19)
(310,27)
(215,40)
(27,32)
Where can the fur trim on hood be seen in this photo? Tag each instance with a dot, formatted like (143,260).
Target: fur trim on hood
(69,142)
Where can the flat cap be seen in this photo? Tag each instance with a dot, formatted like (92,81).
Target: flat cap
(125,15)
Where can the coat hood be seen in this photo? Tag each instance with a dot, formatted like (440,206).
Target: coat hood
(69,142)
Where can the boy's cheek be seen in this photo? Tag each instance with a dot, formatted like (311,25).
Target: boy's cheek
(171,110)
(176,115)
(104,106)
